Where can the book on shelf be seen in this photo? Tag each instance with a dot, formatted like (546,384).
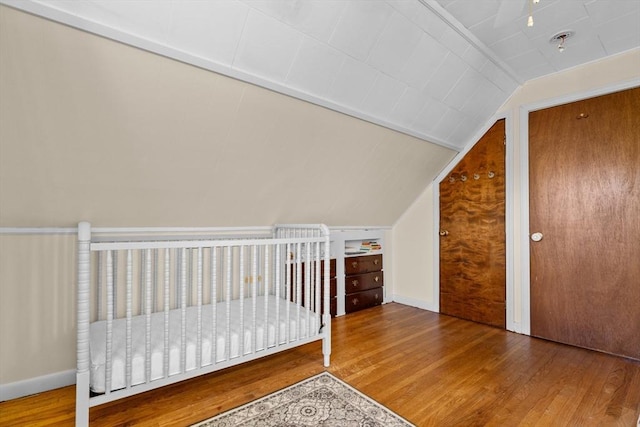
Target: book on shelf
(370,246)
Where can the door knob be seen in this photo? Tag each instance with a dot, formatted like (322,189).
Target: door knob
(444,233)
(536,237)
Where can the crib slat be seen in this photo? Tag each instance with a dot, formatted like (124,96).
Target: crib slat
(228,264)
(167,272)
(100,286)
(308,280)
(109,337)
(254,294)
(154,295)
(129,314)
(147,335)
(114,288)
(141,298)
(190,277)
(318,265)
(214,305)
(199,318)
(241,301)
(265,338)
(298,289)
(277,285)
(289,292)
(183,310)
(178,292)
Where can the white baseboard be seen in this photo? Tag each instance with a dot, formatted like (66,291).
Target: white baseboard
(413,302)
(37,385)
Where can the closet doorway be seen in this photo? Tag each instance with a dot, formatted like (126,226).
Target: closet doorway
(584,197)
(472,233)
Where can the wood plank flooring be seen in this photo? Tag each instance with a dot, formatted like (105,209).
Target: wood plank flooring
(432,369)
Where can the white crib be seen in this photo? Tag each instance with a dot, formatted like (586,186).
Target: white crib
(157,309)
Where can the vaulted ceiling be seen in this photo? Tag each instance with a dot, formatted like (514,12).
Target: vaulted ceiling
(437,70)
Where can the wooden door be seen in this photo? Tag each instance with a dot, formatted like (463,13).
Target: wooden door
(584,177)
(472,233)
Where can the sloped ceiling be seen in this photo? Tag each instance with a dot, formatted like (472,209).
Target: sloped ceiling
(437,70)
(92,129)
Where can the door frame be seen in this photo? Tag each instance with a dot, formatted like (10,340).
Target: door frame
(524,249)
(509,203)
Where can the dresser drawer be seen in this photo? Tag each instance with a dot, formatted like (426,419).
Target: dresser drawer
(363,264)
(362,282)
(365,299)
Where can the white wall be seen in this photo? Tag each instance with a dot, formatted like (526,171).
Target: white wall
(413,257)
(413,233)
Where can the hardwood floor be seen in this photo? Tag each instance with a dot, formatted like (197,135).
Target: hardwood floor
(432,369)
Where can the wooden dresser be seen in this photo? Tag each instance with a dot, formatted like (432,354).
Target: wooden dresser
(333,286)
(364,281)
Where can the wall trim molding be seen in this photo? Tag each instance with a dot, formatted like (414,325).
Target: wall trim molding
(35,385)
(414,302)
(129,230)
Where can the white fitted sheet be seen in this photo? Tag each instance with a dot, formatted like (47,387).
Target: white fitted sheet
(138,330)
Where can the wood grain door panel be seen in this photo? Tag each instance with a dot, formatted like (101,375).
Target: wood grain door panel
(585,200)
(472,252)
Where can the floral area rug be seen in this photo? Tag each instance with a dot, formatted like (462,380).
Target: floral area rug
(322,400)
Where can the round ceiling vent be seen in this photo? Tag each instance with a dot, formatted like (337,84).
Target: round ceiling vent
(560,38)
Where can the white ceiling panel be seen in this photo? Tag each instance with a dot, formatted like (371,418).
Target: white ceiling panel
(436,69)
(510,46)
(382,97)
(466,87)
(446,77)
(421,16)
(468,14)
(316,18)
(613,35)
(452,40)
(408,107)
(314,67)
(395,45)
(359,27)
(602,11)
(267,47)
(352,83)
(430,116)
(208,29)
(475,58)
(448,123)
(424,61)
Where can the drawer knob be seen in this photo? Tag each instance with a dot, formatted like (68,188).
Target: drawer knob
(354,264)
(377,278)
(355,301)
(376,261)
(354,283)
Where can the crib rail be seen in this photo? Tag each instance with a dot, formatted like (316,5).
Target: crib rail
(154,310)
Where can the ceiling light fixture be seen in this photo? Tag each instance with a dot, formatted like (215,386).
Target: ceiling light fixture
(560,38)
(530,20)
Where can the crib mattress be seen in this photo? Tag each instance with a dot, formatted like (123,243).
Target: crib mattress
(227,346)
